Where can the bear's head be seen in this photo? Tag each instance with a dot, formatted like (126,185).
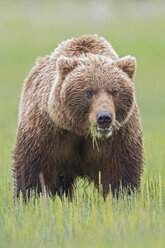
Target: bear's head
(93,90)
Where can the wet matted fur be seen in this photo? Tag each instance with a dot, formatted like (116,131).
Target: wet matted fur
(60,100)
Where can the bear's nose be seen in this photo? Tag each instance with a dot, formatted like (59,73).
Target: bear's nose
(104,118)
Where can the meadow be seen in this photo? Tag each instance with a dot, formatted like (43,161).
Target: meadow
(29,29)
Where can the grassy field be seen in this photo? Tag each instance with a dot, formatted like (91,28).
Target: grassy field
(34,28)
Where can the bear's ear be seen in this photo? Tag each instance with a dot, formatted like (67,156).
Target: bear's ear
(65,65)
(128,65)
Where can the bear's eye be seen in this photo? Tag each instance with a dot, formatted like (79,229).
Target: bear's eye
(114,93)
(89,93)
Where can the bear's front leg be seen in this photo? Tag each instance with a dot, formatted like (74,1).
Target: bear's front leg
(31,157)
(64,186)
(123,166)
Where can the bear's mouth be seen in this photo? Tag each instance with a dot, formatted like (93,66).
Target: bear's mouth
(103,133)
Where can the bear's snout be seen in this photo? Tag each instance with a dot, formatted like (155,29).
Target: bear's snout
(104,118)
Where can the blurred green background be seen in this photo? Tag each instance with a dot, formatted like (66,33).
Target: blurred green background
(29,29)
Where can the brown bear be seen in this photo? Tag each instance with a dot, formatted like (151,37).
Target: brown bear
(82,83)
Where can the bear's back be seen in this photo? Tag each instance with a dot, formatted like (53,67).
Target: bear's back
(84,45)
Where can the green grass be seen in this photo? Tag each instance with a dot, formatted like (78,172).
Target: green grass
(93,132)
(34,28)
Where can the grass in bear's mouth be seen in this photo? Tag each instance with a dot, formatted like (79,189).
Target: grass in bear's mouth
(93,131)
(117,124)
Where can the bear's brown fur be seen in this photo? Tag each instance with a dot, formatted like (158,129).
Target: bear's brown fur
(61,98)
